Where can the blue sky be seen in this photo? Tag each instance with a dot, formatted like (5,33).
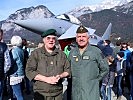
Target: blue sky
(8,7)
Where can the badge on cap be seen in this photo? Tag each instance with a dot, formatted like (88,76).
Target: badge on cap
(81,28)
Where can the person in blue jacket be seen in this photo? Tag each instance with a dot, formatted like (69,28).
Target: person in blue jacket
(17,70)
(104,46)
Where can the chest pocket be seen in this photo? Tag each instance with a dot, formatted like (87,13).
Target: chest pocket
(51,64)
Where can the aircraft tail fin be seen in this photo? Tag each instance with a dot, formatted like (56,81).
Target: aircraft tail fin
(107,33)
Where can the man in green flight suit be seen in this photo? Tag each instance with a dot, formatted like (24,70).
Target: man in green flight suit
(46,67)
(87,66)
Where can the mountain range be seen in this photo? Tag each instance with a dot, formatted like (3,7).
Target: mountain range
(120,14)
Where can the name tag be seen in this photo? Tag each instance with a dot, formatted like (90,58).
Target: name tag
(74,56)
(86,57)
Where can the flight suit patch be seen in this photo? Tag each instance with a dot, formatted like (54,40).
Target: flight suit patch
(51,62)
(76,58)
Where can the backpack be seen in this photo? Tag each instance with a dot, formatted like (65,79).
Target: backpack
(12,63)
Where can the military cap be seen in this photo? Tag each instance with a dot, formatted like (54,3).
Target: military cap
(49,32)
(81,29)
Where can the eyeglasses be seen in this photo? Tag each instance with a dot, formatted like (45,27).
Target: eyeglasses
(51,38)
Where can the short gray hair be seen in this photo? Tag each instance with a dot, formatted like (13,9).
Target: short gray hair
(16,40)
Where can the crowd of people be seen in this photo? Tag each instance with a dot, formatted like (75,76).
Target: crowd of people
(92,72)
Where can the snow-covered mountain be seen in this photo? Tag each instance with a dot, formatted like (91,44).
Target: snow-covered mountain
(31,12)
(41,11)
(78,11)
(23,14)
(127,8)
(106,4)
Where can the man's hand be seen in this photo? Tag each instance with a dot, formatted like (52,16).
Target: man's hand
(52,79)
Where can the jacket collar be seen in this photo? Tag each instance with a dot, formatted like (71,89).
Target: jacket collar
(88,47)
(44,51)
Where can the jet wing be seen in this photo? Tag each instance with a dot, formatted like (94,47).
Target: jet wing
(40,25)
(71,32)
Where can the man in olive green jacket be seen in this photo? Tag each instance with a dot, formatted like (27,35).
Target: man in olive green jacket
(46,67)
(87,67)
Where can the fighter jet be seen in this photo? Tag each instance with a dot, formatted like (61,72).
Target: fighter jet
(65,25)
(60,23)
(94,39)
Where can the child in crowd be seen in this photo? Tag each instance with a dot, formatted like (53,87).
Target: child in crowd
(120,72)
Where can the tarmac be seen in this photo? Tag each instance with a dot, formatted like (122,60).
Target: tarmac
(26,97)
(30,96)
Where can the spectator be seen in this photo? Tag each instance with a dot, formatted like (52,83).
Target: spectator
(17,70)
(105,47)
(116,49)
(5,63)
(131,76)
(108,80)
(26,83)
(120,72)
(127,55)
